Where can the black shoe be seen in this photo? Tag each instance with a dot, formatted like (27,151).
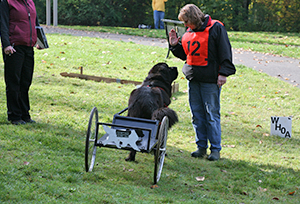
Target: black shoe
(18,122)
(214,156)
(29,121)
(200,153)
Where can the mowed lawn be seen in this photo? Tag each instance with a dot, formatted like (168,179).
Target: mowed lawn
(44,162)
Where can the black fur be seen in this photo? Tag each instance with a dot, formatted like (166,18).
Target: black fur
(151,100)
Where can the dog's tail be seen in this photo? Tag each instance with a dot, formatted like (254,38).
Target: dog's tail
(162,112)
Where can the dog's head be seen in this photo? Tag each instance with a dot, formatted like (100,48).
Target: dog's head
(163,72)
(161,75)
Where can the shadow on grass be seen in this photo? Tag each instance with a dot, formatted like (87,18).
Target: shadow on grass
(54,155)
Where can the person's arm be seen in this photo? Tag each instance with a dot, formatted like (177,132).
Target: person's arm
(173,39)
(153,4)
(175,46)
(225,53)
(8,48)
(225,56)
(4,23)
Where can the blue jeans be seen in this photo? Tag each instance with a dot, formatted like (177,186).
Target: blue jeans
(204,99)
(158,15)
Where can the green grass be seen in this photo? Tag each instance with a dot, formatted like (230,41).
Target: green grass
(44,162)
(284,44)
(153,33)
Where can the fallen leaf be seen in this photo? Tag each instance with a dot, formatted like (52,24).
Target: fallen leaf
(26,163)
(200,178)
(154,186)
(258,126)
(275,198)
(230,146)
(262,189)
(292,193)
(223,171)
(130,170)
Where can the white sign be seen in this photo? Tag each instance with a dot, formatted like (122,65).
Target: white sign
(281,126)
(121,140)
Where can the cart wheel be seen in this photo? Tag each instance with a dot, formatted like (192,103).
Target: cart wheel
(160,152)
(91,140)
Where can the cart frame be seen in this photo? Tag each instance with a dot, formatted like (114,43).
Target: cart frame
(127,133)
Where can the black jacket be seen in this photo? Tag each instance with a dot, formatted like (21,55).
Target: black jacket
(219,55)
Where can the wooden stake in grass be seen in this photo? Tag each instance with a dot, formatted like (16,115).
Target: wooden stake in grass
(98,78)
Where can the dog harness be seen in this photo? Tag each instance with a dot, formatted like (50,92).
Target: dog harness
(195,45)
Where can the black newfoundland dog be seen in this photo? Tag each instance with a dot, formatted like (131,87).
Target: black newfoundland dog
(151,100)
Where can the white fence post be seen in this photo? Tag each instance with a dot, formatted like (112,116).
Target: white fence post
(55,13)
(48,13)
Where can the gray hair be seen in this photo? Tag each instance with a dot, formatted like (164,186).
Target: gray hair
(190,13)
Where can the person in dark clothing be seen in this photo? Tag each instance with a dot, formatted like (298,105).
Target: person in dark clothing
(207,51)
(18,37)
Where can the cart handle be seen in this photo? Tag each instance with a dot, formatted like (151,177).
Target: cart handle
(122,111)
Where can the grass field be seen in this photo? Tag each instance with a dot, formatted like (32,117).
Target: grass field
(44,162)
(284,44)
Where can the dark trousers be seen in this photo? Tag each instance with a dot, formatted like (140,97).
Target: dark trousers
(18,72)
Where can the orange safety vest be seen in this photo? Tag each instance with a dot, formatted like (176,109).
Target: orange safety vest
(195,45)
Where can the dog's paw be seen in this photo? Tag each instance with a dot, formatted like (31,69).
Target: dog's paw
(131,156)
(129,159)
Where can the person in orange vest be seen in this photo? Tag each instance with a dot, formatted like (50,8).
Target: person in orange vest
(158,7)
(207,51)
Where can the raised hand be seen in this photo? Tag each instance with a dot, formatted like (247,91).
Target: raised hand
(173,39)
